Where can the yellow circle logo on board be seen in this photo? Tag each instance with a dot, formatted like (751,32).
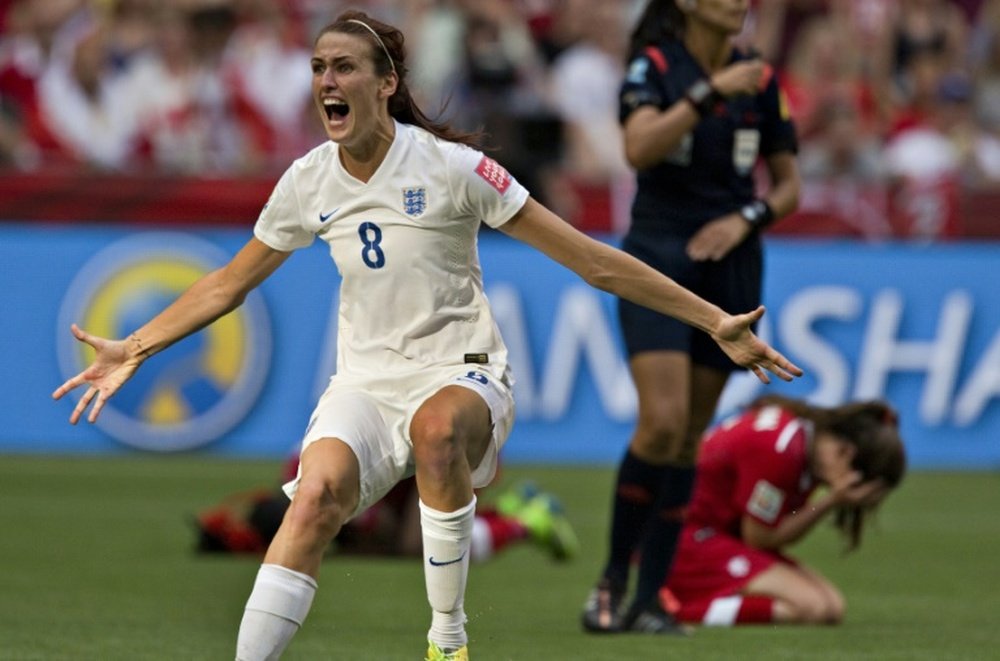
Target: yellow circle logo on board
(196,390)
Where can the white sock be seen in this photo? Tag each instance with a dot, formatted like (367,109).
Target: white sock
(275,610)
(723,611)
(447,538)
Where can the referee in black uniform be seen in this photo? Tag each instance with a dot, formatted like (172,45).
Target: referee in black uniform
(698,115)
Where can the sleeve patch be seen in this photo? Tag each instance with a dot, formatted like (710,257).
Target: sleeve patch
(765,501)
(637,71)
(494,174)
(657,58)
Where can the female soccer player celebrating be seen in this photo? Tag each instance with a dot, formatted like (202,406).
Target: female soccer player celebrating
(422,383)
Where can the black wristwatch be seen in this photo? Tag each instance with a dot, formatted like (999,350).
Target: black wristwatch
(702,96)
(758,214)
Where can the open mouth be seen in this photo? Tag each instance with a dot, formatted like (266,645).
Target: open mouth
(335,109)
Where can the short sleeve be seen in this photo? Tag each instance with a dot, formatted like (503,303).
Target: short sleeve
(482,188)
(778,131)
(280,222)
(643,84)
(769,473)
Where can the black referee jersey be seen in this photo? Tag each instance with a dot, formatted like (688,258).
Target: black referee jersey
(711,172)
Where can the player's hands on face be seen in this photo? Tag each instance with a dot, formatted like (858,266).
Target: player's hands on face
(743,77)
(113,365)
(715,239)
(747,350)
(852,489)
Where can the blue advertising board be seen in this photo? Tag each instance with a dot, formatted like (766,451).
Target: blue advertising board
(917,325)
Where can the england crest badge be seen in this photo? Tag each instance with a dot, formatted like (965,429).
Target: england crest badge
(414,201)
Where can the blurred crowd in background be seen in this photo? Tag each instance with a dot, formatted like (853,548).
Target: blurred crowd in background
(883,91)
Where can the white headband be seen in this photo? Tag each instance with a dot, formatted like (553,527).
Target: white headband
(377,38)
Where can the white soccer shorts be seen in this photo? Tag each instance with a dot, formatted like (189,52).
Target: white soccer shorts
(373,417)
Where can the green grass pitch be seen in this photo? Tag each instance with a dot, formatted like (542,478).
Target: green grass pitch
(96,563)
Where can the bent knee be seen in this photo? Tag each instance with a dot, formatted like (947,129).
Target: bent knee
(434,440)
(317,506)
(665,422)
(836,610)
(661,437)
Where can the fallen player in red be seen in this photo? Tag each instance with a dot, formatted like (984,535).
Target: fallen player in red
(246,522)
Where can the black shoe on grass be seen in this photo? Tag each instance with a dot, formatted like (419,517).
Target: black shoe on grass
(602,613)
(652,619)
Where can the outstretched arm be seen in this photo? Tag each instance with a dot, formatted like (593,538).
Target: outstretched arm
(212,296)
(614,271)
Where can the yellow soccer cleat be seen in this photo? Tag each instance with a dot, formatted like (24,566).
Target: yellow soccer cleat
(542,516)
(549,526)
(435,653)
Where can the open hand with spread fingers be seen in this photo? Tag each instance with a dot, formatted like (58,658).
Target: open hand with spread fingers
(114,363)
(735,337)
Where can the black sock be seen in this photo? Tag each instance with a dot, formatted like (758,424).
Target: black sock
(636,492)
(662,532)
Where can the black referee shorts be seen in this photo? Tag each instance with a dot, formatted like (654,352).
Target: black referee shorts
(734,284)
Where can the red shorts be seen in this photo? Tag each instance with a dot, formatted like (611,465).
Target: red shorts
(710,564)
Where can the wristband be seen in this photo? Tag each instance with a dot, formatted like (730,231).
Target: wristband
(702,97)
(758,214)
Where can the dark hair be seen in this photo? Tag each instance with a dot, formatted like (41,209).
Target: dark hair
(401,104)
(872,427)
(661,19)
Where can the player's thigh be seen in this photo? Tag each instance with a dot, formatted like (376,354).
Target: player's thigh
(663,386)
(663,383)
(358,421)
(459,411)
(832,595)
(330,465)
(481,408)
(707,384)
(803,600)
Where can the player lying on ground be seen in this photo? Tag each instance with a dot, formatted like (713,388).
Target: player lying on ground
(247,521)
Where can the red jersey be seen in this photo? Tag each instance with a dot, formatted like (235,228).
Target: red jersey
(755,464)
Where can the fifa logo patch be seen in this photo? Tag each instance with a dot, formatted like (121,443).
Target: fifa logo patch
(637,71)
(414,201)
(494,174)
(766,501)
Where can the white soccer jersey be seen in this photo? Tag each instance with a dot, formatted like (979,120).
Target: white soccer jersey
(405,244)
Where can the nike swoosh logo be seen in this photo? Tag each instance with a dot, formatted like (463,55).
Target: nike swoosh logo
(446,562)
(323,217)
